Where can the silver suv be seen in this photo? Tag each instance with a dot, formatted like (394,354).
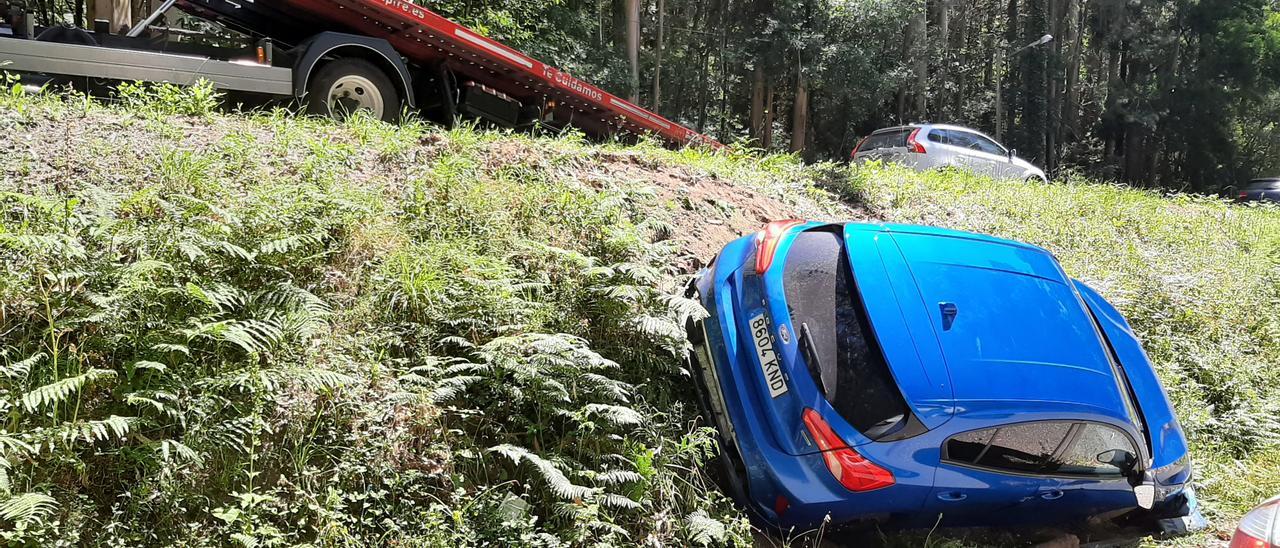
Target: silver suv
(935,146)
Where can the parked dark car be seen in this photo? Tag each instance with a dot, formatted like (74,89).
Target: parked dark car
(1261,190)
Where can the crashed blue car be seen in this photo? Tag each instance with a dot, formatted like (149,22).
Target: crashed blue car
(892,373)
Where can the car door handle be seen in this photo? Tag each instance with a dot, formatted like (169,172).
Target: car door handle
(1054,494)
(952,496)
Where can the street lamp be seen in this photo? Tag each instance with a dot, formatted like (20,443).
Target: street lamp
(1001,60)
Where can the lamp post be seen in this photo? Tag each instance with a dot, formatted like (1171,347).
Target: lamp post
(1001,60)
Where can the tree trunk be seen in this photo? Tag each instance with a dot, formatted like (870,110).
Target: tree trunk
(1071,103)
(944,50)
(920,36)
(800,114)
(657,65)
(766,140)
(633,46)
(757,104)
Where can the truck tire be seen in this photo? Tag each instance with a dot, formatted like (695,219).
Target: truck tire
(346,85)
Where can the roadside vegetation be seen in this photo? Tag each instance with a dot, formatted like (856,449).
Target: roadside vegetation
(272,330)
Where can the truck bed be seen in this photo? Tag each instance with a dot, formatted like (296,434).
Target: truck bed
(426,39)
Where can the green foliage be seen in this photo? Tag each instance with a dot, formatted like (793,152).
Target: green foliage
(164,99)
(242,347)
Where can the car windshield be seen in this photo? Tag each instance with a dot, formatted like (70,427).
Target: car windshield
(837,344)
(893,138)
(1264,184)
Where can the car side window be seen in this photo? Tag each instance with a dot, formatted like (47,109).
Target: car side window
(987,145)
(961,139)
(1025,447)
(1093,444)
(939,136)
(1048,447)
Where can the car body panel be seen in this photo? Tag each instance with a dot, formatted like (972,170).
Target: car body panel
(954,379)
(1168,442)
(1010,338)
(1261,190)
(998,162)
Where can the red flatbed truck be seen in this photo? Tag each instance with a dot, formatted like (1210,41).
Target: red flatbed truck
(335,56)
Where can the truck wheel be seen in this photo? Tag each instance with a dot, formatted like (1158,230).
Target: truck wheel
(344,86)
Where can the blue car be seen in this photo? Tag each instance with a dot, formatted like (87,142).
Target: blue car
(897,373)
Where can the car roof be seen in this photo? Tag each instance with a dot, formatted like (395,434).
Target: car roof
(927,126)
(1021,339)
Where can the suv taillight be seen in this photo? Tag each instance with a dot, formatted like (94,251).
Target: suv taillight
(913,145)
(859,147)
(767,242)
(854,472)
(1259,529)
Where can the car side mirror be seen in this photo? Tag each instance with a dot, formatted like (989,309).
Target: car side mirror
(1013,152)
(1119,458)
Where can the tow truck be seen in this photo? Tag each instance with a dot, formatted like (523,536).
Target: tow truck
(334,56)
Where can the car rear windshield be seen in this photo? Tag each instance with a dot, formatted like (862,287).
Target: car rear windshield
(1265,184)
(886,139)
(835,337)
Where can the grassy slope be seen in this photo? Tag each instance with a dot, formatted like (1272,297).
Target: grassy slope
(269,329)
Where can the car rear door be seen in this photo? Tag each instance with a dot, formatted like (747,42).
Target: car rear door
(1090,472)
(990,476)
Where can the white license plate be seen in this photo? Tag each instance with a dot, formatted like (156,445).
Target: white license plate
(768,358)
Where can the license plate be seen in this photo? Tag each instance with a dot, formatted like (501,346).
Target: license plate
(768,358)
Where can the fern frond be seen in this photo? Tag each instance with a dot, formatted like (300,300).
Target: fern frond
(253,336)
(27,506)
(289,244)
(618,477)
(703,530)
(171,450)
(556,481)
(21,369)
(612,500)
(58,391)
(615,414)
(166,347)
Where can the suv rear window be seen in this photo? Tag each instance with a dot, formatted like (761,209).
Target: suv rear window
(886,139)
(835,337)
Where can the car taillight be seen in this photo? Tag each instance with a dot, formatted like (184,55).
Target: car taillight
(1258,529)
(854,472)
(1243,195)
(913,145)
(859,147)
(767,242)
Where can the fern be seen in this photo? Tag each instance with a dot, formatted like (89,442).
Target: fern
(556,481)
(703,530)
(289,244)
(27,507)
(20,369)
(253,336)
(58,391)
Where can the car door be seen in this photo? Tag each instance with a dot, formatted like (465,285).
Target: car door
(990,476)
(1090,472)
(969,154)
(1002,164)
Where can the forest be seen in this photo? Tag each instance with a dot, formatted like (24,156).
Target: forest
(1175,94)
